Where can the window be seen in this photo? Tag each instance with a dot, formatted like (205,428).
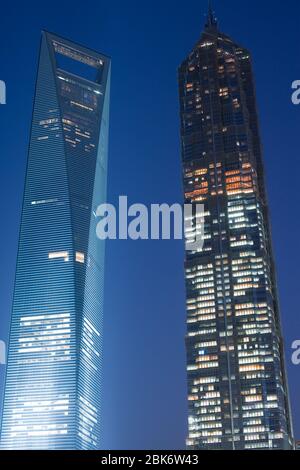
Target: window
(59,255)
(79,257)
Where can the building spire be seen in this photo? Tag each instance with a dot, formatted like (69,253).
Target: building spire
(211,22)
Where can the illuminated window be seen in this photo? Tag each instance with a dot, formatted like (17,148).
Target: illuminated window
(59,255)
(79,257)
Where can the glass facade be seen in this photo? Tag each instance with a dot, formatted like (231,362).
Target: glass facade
(237,388)
(53,380)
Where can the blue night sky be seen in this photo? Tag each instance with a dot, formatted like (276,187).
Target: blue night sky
(144,397)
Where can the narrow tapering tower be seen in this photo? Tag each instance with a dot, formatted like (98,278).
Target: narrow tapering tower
(211,23)
(53,382)
(238,397)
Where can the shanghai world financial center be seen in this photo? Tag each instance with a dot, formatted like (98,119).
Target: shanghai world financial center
(52,391)
(237,385)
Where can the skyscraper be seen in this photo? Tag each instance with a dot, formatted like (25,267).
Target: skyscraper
(53,380)
(237,388)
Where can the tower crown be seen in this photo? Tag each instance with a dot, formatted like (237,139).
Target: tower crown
(211,22)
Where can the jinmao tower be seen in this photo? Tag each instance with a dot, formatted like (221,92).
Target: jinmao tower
(53,380)
(237,388)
